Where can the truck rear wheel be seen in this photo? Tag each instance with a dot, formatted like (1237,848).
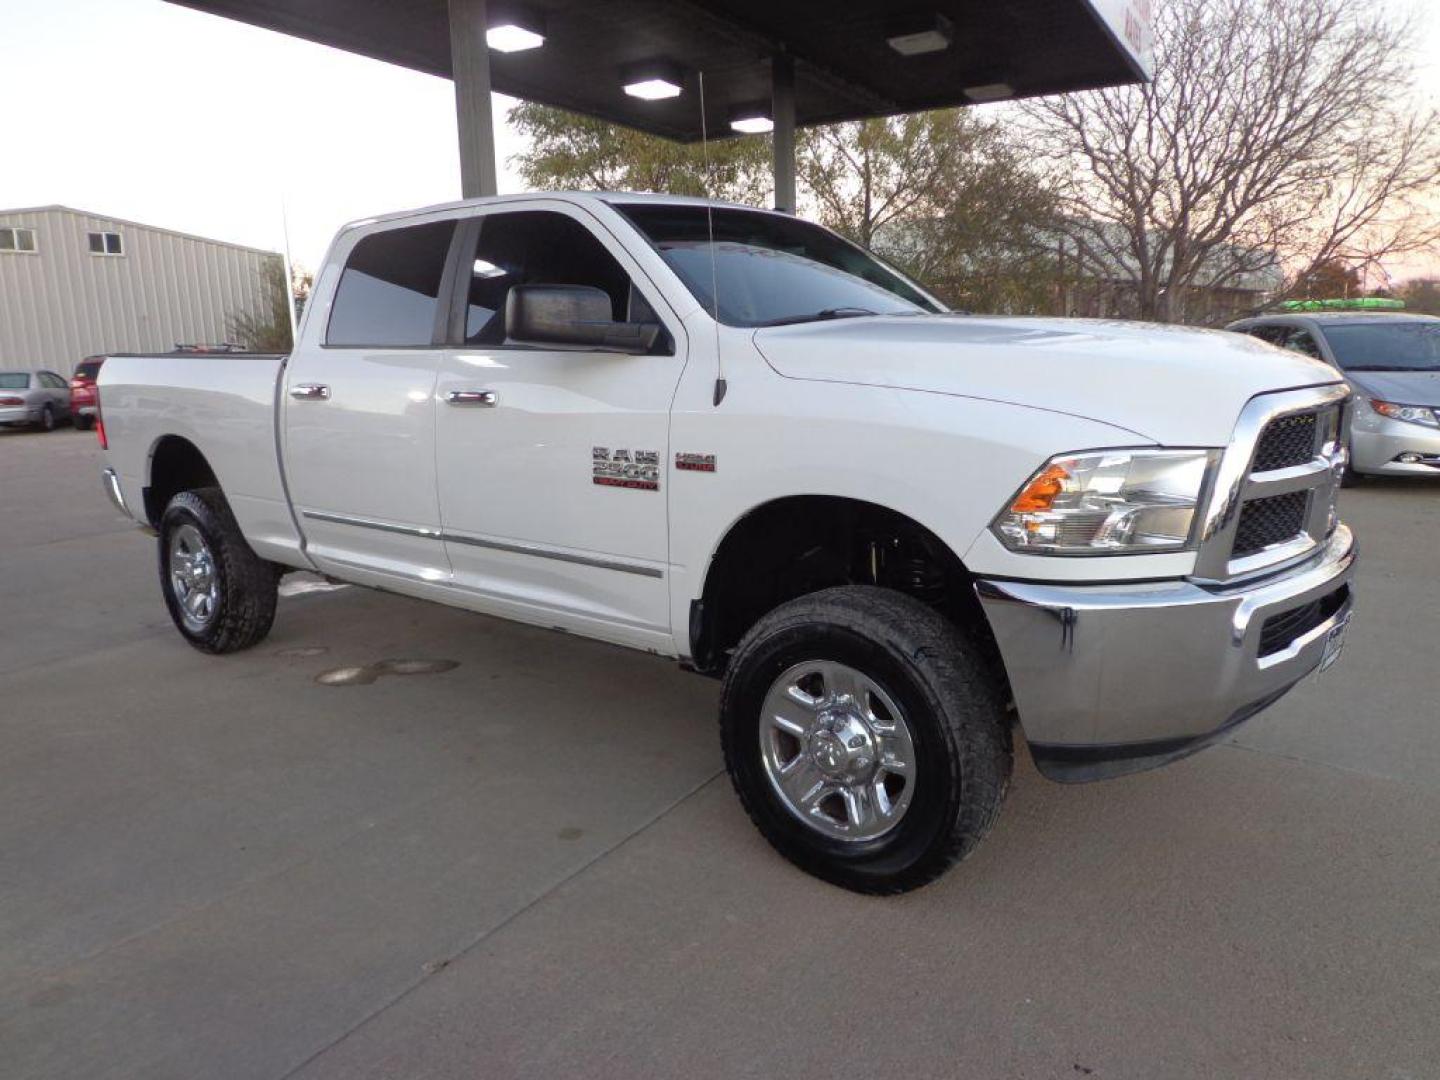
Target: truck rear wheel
(865,737)
(220,594)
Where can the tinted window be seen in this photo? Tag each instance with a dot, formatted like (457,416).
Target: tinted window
(1271,333)
(53,381)
(1300,341)
(536,247)
(87,369)
(387,294)
(14,380)
(770,268)
(1392,346)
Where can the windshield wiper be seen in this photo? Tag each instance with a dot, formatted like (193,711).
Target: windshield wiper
(821,316)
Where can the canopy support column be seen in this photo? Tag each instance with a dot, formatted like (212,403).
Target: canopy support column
(782,112)
(470,67)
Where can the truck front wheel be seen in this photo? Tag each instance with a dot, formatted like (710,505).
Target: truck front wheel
(865,738)
(220,594)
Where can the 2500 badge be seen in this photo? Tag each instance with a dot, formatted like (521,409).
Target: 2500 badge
(638,469)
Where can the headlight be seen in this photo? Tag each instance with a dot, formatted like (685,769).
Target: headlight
(1415,414)
(1108,502)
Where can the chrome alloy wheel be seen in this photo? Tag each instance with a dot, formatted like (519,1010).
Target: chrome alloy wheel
(837,750)
(192,577)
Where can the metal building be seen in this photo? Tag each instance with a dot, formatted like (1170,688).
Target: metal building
(73,284)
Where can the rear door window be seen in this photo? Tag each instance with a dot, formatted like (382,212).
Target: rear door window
(389,291)
(14,380)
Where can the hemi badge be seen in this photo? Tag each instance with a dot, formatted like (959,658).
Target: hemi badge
(695,462)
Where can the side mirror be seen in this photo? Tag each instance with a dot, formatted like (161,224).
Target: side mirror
(572,315)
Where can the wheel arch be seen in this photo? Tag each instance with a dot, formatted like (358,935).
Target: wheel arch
(174,464)
(797,544)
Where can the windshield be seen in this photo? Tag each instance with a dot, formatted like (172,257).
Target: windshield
(769,269)
(87,369)
(1397,346)
(14,380)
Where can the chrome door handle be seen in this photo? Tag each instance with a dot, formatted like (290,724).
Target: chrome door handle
(483,399)
(311,392)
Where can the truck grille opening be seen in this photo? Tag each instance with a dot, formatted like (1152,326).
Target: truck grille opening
(1287,442)
(1280,630)
(1271,520)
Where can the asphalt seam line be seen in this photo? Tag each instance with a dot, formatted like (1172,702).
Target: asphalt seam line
(437,968)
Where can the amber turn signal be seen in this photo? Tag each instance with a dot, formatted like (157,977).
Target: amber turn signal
(1040,494)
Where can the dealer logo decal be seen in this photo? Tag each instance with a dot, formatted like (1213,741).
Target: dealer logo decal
(636,469)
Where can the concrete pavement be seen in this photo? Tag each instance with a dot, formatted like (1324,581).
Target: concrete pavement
(532,865)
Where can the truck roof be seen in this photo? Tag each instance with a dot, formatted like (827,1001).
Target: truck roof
(581,198)
(1337,318)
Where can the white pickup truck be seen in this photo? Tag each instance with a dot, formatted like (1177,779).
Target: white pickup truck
(730,437)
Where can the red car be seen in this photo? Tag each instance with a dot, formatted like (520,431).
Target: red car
(83,405)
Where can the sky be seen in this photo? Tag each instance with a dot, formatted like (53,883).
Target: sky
(143,110)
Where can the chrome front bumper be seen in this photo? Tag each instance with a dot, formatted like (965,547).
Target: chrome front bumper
(1112,679)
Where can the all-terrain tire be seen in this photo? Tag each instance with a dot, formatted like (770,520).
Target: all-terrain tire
(248,586)
(952,704)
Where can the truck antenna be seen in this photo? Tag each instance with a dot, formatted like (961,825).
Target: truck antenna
(720,384)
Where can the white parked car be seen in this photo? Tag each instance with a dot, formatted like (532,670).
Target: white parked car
(731,438)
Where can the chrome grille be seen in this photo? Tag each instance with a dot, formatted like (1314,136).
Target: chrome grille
(1269,521)
(1274,496)
(1286,442)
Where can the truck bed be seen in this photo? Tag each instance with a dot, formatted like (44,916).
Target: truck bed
(226,406)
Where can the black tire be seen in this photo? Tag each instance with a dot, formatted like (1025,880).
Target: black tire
(83,423)
(47,418)
(951,703)
(247,585)
(1350,478)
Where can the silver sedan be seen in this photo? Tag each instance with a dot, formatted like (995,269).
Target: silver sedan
(1393,363)
(33,397)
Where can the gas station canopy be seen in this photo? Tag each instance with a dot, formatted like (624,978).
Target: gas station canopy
(845,65)
(758,65)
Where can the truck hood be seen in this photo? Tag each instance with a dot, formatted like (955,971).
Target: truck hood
(1401,387)
(1168,384)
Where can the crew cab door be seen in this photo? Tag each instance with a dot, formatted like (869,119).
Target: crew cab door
(359,408)
(552,459)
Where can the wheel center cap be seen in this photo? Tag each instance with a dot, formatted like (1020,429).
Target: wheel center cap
(842,747)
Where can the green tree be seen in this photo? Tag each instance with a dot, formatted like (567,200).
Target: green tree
(572,152)
(947,196)
(267,327)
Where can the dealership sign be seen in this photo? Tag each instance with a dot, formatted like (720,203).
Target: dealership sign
(1128,22)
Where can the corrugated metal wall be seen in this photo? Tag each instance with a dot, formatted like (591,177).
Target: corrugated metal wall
(62,303)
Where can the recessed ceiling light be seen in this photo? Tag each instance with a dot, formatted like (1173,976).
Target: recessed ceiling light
(653,80)
(920,34)
(751,119)
(652,89)
(508,38)
(995,91)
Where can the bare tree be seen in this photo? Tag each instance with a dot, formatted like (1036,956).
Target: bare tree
(1275,133)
